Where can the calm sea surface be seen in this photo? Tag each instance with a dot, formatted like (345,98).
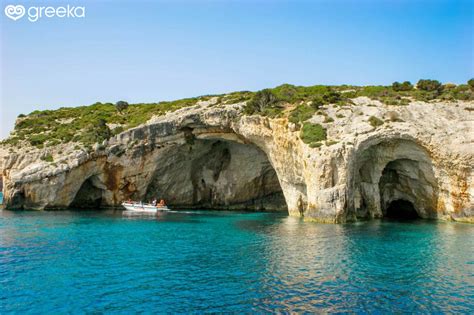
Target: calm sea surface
(76,262)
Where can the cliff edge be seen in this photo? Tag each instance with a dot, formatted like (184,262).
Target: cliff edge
(325,161)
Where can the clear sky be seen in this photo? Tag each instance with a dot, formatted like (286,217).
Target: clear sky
(146,51)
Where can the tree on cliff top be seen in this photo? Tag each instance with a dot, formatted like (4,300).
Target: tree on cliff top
(261,102)
(429,85)
(471,83)
(121,106)
(405,86)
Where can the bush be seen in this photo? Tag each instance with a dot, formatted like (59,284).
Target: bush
(301,114)
(47,158)
(448,87)
(397,100)
(405,86)
(332,97)
(38,140)
(117,130)
(312,133)
(261,102)
(121,106)
(315,144)
(96,133)
(429,85)
(317,102)
(375,122)
(286,92)
(376,91)
(331,142)
(471,83)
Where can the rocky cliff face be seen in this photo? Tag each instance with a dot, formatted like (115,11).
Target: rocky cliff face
(212,156)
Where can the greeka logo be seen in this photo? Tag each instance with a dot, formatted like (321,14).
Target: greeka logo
(16,12)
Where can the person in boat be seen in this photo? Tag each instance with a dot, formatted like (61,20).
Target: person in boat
(162,203)
(154,202)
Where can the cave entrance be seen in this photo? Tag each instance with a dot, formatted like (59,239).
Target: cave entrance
(89,196)
(401,210)
(218,174)
(401,185)
(395,179)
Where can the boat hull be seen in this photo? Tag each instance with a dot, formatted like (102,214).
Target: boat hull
(138,207)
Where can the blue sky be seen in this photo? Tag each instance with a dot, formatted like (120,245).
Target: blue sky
(146,51)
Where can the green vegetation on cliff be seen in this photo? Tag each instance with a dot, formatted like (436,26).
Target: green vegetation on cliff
(313,134)
(87,125)
(270,102)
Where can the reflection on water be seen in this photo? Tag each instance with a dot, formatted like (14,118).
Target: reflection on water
(231,262)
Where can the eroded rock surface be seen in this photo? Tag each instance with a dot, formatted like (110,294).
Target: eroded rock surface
(212,156)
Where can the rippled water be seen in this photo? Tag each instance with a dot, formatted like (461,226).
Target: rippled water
(54,262)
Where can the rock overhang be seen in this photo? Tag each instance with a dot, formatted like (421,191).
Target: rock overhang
(319,180)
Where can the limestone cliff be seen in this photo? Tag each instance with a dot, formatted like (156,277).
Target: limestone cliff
(210,155)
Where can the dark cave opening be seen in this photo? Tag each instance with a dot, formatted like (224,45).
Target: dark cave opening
(401,210)
(219,175)
(88,197)
(393,170)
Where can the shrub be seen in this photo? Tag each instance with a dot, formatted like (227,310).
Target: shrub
(286,92)
(429,85)
(96,133)
(397,100)
(332,97)
(38,139)
(315,144)
(471,83)
(312,133)
(237,97)
(375,92)
(47,158)
(21,116)
(405,86)
(463,92)
(121,106)
(328,119)
(448,87)
(301,114)
(261,102)
(375,122)
(317,102)
(117,130)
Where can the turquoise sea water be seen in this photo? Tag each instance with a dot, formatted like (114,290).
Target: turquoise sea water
(95,262)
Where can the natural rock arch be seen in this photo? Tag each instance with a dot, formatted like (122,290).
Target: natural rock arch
(389,173)
(215,172)
(90,194)
(410,181)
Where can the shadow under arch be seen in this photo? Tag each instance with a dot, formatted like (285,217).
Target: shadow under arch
(215,171)
(89,195)
(391,173)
